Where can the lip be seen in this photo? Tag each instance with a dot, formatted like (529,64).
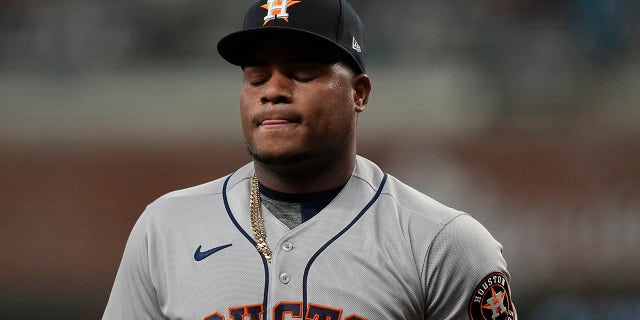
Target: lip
(273,122)
(268,119)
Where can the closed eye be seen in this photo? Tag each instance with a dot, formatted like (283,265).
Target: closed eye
(305,73)
(255,77)
(257,83)
(304,79)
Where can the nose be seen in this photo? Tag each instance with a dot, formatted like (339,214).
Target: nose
(277,90)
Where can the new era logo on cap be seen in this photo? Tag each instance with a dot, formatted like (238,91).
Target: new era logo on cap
(332,25)
(355,45)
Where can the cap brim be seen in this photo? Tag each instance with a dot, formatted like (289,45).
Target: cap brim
(241,46)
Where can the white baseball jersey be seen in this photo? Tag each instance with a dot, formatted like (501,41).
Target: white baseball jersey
(379,250)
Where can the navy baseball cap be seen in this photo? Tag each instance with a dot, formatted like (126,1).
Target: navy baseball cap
(329,24)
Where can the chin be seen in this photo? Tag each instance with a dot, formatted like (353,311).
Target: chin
(281,159)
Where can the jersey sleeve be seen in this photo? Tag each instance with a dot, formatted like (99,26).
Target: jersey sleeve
(460,259)
(133,295)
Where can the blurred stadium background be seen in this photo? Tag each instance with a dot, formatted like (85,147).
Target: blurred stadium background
(521,112)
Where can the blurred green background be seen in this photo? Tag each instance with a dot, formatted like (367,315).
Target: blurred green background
(523,113)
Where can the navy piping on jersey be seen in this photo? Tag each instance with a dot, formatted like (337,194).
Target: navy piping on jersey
(253,242)
(313,258)
(326,245)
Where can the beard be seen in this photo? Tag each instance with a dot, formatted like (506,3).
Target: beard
(313,157)
(307,159)
(286,159)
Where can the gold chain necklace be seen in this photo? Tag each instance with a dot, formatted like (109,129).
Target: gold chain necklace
(257,223)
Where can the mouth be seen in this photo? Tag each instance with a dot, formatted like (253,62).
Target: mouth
(276,120)
(273,122)
(272,125)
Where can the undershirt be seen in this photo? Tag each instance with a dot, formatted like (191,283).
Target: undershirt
(293,209)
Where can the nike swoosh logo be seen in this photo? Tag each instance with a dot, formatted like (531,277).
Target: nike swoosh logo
(199,255)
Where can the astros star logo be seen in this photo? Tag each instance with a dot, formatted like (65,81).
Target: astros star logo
(491,299)
(277,9)
(496,304)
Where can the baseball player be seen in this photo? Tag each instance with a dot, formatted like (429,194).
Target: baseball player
(308,229)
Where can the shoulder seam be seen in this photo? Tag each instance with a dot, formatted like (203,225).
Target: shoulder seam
(374,188)
(427,253)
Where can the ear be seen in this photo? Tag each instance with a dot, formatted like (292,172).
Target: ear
(361,91)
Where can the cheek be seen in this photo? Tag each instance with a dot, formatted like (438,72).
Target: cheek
(337,92)
(245,97)
(342,103)
(346,94)
(245,111)
(243,105)
(334,111)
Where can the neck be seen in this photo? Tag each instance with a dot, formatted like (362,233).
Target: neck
(306,178)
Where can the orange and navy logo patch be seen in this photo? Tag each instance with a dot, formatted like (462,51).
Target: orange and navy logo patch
(277,9)
(491,299)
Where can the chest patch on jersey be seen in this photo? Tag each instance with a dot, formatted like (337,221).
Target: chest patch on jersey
(491,299)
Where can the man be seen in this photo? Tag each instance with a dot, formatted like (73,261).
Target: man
(309,229)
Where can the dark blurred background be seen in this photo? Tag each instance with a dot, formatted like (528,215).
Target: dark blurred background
(523,113)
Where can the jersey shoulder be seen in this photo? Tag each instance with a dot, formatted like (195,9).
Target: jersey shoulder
(442,225)
(413,202)
(195,202)
(402,199)
(210,188)
(453,252)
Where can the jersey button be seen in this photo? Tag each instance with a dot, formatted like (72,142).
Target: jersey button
(285,278)
(287,246)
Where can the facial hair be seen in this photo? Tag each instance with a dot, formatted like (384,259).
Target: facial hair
(309,158)
(287,159)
